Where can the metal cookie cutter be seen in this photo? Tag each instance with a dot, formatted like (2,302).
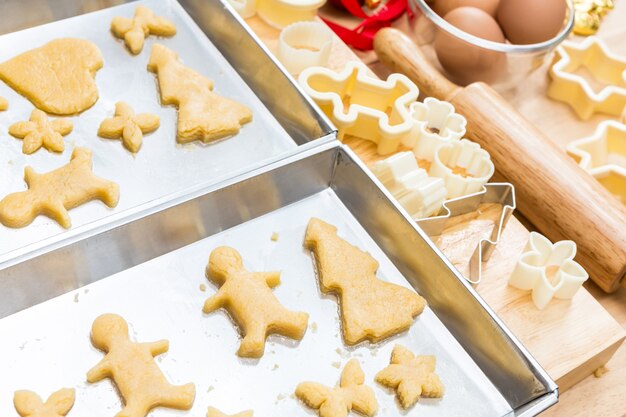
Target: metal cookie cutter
(548,270)
(304,44)
(498,193)
(420,195)
(436,123)
(603,155)
(361,105)
(574,90)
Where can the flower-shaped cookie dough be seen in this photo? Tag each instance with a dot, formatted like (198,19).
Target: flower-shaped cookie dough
(128,126)
(420,195)
(4,104)
(603,155)
(436,123)
(40,131)
(214,412)
(135,30)
(464,166)
(548,270)
(29,404)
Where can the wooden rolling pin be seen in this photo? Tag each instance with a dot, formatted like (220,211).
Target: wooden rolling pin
(556,195)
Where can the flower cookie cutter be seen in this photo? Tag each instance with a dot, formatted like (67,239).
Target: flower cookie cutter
(361,105)
(548,270)
(464,166)
(603,155)
(436,123)
(420,195)
(576,91)
(304,44)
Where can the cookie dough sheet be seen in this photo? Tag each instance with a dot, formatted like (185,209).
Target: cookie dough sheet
(162,167)
(47,346)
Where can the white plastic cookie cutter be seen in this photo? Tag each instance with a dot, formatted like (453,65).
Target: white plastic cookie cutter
(278,13)
(245,8)
(420,195)
(575,90)
(603,155)
(436,123)
(464,166)
(548,270)
(361,105)
(304,44)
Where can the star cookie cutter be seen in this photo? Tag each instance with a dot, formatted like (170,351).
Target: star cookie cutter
(420,195)
(464,166)
(436,123)
(548,270)
(603,155)
(361,105)
(576,91)
(304,44)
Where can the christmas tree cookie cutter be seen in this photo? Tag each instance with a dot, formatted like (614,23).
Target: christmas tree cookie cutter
(548,270)
(576,91)
(361,105)
(603,155)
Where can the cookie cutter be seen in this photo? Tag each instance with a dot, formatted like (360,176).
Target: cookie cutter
(281,13)
(304,44)
(420,195)
(494,193)
(245,8)
(573,89)
(463,165)
(436,123)
(362,105)
(603,155)
(548,270)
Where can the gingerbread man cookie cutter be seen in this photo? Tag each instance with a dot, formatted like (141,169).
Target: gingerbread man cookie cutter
(29,404)
(548,270)
(603,155)
(436,123)
(362,105)
(420,195)
(576,91)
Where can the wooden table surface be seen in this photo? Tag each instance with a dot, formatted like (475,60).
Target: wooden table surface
(594,396)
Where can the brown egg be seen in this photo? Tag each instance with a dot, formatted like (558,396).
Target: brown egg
(443,7)
(531,21)
(463,61)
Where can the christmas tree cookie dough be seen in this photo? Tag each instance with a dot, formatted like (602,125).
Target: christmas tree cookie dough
(55,192)
(248,298)
(40,131)
(128,126)
(133,369)
(411,376)
(29,404)
(371,309)
(202,114)
(58,77)
(135,30)
(351,394)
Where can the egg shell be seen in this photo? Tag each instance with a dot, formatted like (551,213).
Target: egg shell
(443,7)
(531,21)
(463,61)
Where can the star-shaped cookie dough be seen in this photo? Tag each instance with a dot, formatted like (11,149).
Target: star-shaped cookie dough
(412,376)
(135,30)
(128,126)
(29,404)
(40,131)
(4,104)
(214,412)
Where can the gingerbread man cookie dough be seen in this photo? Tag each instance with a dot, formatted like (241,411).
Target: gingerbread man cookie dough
(4,104)
(202,114)
(40,131)
(128,126)
(58,78)
(133,369)
(135,30)
(214,412)
(371,309)
(248,298)
(55,192)
(351,394)
(29,404)
(411,376)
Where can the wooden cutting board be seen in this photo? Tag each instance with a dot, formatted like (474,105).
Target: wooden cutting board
(569,339)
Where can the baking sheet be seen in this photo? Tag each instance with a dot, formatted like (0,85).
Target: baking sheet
(162,166)
(47,346)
